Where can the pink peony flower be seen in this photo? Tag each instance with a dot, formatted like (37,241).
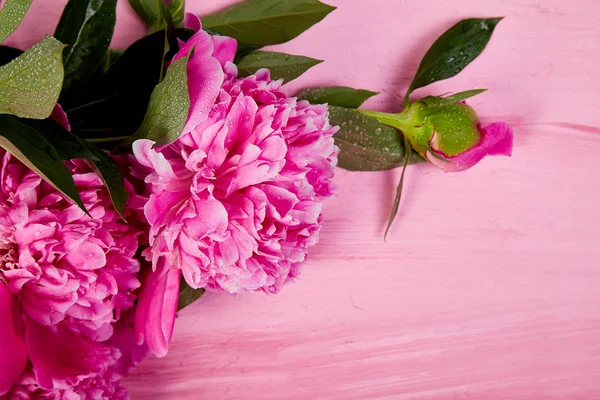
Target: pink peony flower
(236,201)
(65,280)
(67,268)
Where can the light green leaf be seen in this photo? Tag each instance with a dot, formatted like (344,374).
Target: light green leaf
(86,27)
(31,148)
(365,143)
(282,66)
(265,22)
(150,12)
(31,83)
(169,106)
(453,51)
(11,16)
(460,96)
(342,96)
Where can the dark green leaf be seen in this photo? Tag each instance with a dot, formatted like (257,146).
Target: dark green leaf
(111,175)
(115,105)
(365,143)
(187,295)
(453,51)
(242,50)
(150,12)
(7,54)
(31,148)
(111,58)
(30,84)
(342,96)
(266,22)
(86,27)
(282,66)
(169,106)
(11,16)
(69,146)
(398,197)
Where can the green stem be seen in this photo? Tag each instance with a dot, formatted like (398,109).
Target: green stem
(396,206)
(108,139)
(398,121)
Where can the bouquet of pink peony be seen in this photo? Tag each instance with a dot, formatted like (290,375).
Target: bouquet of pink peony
(133,180)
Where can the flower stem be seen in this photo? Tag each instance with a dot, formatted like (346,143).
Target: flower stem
(396,206)
(108,139)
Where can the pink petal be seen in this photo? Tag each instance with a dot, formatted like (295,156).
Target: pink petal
(211,218)
(145,155)
(13,354)
(192,22)
(496,139)
(89,256)
(205,77)
(157,307)
(225,49)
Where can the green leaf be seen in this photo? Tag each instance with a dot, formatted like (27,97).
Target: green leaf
(187,295)
(265,22)
(111,175)
(86,27)
(11,16)
(150,12)
(31,148)
(69,146)
(453,51)
(169,106)
(282,66)
(432,101)
(365,143)
(31,83)
(115,104)
(342,96)
(111,58)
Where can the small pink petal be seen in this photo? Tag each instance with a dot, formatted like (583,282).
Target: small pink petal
(60,116)
(88,256)
(225,49)
(157,307)
(191,21)
(143,152)
(496,139)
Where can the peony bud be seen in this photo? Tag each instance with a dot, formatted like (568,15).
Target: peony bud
(448,134)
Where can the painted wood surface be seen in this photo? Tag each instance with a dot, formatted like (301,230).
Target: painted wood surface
(487,287)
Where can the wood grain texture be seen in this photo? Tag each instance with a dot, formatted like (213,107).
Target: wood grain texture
(488,285)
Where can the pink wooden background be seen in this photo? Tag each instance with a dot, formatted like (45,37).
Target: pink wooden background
(488,287)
